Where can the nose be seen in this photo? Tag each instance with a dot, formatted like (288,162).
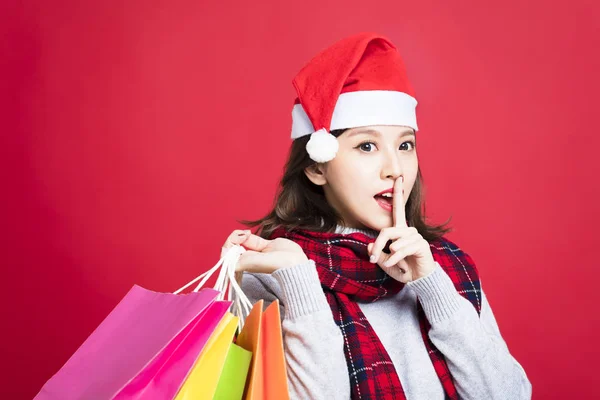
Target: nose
(392,166)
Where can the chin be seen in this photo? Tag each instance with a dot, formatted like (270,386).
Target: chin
(379,224)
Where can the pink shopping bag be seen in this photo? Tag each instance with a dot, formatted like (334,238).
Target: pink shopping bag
(143,349)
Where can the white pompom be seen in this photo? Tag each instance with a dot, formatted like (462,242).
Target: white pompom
(322,146)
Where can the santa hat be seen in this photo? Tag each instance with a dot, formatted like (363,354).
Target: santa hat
(359,81)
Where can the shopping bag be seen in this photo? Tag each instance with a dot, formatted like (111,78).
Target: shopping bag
(262,336)
(274,372)
(221,369)
(208,371)
(202,354)
(249,339)
(163,378)
(133,343)
(147,346)
(233,377)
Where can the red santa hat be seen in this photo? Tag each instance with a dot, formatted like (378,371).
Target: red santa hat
(359,81)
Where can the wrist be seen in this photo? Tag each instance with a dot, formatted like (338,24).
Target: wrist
(296,259)
(426,273)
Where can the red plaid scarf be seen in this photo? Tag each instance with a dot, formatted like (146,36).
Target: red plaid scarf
(347,276)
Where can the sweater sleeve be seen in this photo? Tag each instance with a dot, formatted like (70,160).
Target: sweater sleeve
(314,345)
(477,355)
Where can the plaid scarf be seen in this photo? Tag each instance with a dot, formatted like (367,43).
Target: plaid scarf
(347,277)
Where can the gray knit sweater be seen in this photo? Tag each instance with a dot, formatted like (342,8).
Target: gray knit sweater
(477,356)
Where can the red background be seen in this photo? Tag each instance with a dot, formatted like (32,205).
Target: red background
(135,133)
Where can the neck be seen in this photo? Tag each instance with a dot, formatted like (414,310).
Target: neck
(345,230)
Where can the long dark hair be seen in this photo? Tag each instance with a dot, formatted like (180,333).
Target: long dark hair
(302,204)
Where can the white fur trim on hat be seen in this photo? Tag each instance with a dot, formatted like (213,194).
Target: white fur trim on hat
(322,146)
(362,108)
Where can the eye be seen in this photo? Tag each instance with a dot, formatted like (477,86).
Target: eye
(366,146)
(412,143)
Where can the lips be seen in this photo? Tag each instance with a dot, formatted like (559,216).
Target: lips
(386,205)
(390,190)
(389,200)
(384,202)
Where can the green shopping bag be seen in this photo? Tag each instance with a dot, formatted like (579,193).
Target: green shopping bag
(234,374)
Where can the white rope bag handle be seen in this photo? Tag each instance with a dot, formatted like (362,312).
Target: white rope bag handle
(226,283)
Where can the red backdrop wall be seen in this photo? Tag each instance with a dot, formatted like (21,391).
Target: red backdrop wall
(135,133)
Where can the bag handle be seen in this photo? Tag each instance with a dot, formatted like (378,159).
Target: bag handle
(226,283)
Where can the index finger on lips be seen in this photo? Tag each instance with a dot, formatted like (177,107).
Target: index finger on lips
(398,204)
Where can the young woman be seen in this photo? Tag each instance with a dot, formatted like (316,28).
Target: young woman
(376,303)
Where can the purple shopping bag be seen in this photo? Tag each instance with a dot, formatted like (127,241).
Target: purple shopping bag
(143,349)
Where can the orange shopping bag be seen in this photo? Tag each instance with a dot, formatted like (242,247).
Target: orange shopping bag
(261,335)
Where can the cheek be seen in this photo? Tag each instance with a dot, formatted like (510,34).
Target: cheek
(411,169)
(411,183)
(342,170)
(348,180)
(341,184)
(357,179)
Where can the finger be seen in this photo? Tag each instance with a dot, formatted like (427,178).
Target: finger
(384,236)
(398,203)
(396,246)
(382,259)
(236,237)
(401,254)
(257,262)
(386,248)
(256,243)
(378,244)
(410,238)
(403,265)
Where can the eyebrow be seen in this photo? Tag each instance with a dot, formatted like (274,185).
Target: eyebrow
(377,133)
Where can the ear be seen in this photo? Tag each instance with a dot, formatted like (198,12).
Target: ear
(315,173)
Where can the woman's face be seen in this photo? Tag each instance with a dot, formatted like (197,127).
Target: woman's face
(369,160)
